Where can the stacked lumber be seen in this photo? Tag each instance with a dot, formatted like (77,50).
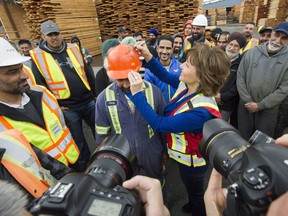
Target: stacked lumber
(168,16)
(74,18)
(277,12)
(18,31)
(249,11)
(221,16)
(213,16)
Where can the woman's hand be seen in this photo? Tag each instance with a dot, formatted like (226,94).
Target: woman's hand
(136,82)
(143,51)
(150,193)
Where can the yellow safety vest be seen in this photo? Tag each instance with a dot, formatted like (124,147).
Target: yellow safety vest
(113,110)
(253,42)
(183,147)
(56,140)
(53,74)
(187,45)
(31,81)
(22,163)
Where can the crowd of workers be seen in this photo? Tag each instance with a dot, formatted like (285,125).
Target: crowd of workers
(158,94)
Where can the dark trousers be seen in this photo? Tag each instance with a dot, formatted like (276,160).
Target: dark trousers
(73,119)
(282,121)
(194,183)
(264,121)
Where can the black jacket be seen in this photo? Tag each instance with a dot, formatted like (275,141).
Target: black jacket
(229,93)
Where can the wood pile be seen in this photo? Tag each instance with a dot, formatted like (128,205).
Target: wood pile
(277,12)
(221,16)
(168,16)
(74,18)
(249,11)
(13,29)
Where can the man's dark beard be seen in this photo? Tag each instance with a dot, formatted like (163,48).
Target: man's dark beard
(125,89)
(196,36)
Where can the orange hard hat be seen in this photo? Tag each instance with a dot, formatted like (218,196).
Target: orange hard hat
(121,60)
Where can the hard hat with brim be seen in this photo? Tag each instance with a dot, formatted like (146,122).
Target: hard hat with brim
(9,55)
(122,59)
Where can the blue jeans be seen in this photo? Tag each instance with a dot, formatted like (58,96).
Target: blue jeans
(194,183)
(73,118)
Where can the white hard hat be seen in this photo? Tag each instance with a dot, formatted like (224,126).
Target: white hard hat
(9,55)
(200,20)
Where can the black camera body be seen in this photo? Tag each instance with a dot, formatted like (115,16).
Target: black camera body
(257,170)
(98,190)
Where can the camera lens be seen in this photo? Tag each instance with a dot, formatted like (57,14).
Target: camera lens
(112,162)
(222,146)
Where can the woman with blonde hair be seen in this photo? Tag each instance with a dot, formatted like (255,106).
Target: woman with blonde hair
(203,74)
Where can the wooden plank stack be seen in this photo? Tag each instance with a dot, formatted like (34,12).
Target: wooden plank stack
(74,18)
(249,11)
(221,16)
(168,16)
(17,15)
(277,12)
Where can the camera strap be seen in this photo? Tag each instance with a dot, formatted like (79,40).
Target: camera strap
(231,202)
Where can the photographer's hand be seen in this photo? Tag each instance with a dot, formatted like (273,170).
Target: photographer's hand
(150,193)
(279,207)
(215,195)
(283,140)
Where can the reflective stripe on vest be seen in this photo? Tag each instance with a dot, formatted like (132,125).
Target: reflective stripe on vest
(252,43)
(53,74)
(31,81)
(56,140)
(113,111)
(178,149)
(22,163)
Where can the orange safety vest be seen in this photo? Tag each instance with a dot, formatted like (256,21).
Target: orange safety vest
(56,140)
(52,72)
(253,42)
(31,80)
(22,163)
(183,147)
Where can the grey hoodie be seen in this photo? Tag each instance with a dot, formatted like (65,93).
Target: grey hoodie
(262,78)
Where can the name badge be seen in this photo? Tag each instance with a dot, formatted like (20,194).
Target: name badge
(111,103)
(55,128)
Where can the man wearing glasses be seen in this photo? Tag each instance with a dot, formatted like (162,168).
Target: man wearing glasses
(60,67)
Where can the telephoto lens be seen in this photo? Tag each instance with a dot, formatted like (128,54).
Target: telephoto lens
(222,146)
(112,162)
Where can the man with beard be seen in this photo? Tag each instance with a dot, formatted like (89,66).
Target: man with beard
(265,34)
(178,46)
(34,137)
(282,118)
(60,67)
(116,113)
(262,83)
(222,40)
(164,50)
(227,99)
(198,32)
(248,32)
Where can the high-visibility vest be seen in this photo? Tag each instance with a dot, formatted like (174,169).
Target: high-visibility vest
(187,45)
(113,111)
(31,80)
(56,140)
(22,163)
(52,72)
(183,147)
(253,42)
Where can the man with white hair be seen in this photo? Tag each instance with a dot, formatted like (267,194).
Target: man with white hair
(227,99)
(262,83)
